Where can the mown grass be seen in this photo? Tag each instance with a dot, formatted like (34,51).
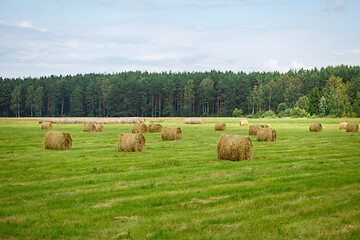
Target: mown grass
(304,186)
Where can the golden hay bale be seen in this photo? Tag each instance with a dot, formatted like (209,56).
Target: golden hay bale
(315,127)
(46,125)
(244,122)
(220,126)
(234,148)
(89,127)
(131,142)
(171,133)
(266,135)
(193,121)
(139,128)
(154,127)
(99,128)
(352,127)
(58,141)
(343,125)
(253,129)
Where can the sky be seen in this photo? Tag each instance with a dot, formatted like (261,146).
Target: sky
(53,37)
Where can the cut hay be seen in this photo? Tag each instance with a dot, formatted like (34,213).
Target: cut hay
(315,127)
(253,129)
(193,121)
(266,135)
(234,148)
(46,125)
(343,125)
(99,128)
(171,133)
(352,127)
(131,142)
(244,122)
(139,128)
(58,141)
(89,127)
(220,126)
(154,127)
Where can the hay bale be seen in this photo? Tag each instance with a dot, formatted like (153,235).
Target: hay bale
(315,127)
(171,133)
(220,126)
(253,129)
(154,127)
(89,127)
(46,125)
(234,148)
(352,127)
(99,128)
(343,125)
(131,142)
(58,141)
(139,128)
(266,135)
(193,121)
(244,122)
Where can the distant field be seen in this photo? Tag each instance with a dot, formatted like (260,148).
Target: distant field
(304,186)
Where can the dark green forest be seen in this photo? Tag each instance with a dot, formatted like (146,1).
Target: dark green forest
(330,91)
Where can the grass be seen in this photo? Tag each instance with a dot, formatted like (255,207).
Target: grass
(304,186)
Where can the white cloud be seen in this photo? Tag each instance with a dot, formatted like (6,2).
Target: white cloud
(298,65)
(334,5)
(353,51)
(24,24)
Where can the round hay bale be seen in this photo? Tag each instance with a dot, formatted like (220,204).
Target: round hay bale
(89,127)
(220,126)
(99,128)
(131,142)
(46,125)
(193,121)
(171,133)
(352,127)
(343,125)
(253,129)
(234,148)
(139,128)
(244,122)
(58,141)
(266,135)
(315,127)
(154,127)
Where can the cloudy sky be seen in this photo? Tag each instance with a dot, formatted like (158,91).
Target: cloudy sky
(45,37)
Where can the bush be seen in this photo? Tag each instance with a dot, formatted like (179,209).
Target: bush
(237,112)
(281,107)
(269,114)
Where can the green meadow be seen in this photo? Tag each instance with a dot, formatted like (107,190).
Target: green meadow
(304,186)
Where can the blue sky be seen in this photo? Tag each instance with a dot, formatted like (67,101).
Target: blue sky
(45,37)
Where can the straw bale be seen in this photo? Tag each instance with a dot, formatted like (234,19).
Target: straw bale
(171,133)
(89,127)
(139,128)
(266,135)
(244,122)
(343,125)
(352,127)
(58,141)
(234,148)
(154,127)
(131,142)
(99,128)
(193,121)
(253,129)
(315,127)
(46,125)
(220,126)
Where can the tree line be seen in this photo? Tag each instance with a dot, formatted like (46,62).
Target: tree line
(328,91)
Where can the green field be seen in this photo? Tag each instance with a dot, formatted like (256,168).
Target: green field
(304,186)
